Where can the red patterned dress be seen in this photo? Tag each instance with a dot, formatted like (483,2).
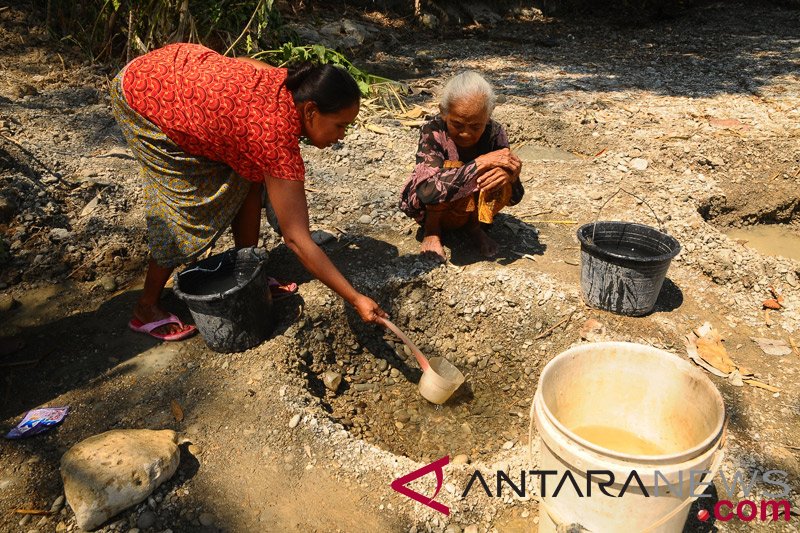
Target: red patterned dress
(203,126)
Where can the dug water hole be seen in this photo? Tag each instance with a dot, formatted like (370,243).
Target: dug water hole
(367,379)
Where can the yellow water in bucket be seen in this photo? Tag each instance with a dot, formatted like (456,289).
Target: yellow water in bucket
(619,407)
(618,440)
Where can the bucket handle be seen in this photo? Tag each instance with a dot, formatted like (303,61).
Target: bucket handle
(203,269)
(562,524)
(594,226)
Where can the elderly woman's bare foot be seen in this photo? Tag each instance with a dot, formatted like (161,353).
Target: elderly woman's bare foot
(487,246)
(432,246)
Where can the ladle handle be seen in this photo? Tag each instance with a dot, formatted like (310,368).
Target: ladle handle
(421,359)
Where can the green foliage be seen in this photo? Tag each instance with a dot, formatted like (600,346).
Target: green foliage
(289,53)
(121,29)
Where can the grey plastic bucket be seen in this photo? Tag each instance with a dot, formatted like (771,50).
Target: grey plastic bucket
(623,265)
(229,299)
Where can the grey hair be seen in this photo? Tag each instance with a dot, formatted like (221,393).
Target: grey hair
(465,85)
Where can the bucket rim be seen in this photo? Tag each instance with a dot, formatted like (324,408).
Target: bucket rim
(586,244)
(683,455)
(213,297)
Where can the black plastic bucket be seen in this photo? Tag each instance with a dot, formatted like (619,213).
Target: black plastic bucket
(229,299)
(623,265)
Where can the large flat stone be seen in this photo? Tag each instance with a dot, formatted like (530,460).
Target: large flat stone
(110,472)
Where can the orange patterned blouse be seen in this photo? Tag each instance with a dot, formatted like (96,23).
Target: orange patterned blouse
(220,108)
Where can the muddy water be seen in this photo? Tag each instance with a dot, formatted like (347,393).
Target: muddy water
(478,419)
(618,440)
(769,239)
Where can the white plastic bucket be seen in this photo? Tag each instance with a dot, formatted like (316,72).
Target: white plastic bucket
(653,394)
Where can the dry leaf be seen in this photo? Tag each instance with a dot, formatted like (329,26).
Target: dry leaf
(710,349)
(91,206)
(761,385)
(772,347)
(592,330)
(775,294)
(377,129)
(731,123)
(414,112)
(771,303)
(412,123)
(177,410)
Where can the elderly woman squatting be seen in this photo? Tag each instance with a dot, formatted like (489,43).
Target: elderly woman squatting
(465,171)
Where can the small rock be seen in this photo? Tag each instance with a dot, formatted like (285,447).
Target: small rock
(382,364)
(57,505)
(639,164)
(472,528)
(146,520)
(365,219)
(791,278)
(402,415)
(508,445)
(322,236)
(61,527)
(195,449)
(461,459)
(206,519)
(25,520)
(108,283)
(60,234)
(294,421)
(332,380)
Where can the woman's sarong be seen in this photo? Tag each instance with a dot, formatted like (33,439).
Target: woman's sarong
(189,200)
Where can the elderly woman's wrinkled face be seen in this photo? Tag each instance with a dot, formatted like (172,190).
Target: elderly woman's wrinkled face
(466,119)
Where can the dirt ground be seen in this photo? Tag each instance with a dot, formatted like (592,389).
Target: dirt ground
(698,116)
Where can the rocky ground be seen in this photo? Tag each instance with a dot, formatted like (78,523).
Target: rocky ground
(697,116)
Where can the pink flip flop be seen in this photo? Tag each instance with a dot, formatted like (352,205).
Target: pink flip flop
(280,290)
(138,326)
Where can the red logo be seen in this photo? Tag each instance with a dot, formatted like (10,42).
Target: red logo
(437,466)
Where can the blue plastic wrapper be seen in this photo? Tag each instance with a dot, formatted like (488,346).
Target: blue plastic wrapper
(37,421)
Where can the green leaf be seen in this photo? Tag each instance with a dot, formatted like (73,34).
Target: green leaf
(319,51)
